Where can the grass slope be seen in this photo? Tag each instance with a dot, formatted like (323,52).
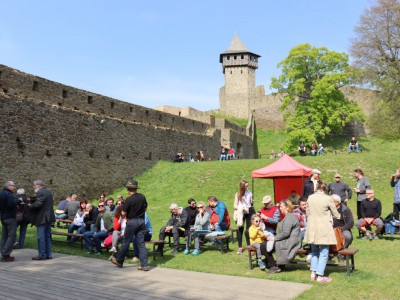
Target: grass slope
(376,263)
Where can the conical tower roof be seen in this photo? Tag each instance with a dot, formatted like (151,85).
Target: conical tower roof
(236,47)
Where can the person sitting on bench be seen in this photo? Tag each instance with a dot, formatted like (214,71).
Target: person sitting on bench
(354,145)
(345,223)
(176,226)
(371,209)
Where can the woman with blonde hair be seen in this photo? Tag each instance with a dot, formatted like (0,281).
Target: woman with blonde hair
(243,211)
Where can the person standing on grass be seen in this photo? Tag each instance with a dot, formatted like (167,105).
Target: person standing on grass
(319,233)
(395,182)
(135,208)
(244,209)
(8,210)
(43,217)
(340,188)
(310,185)
(362,186)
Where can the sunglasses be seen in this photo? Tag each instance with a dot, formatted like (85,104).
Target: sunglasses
(200,206)
(100,206)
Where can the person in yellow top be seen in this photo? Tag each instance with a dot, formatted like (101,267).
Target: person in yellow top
(257,238)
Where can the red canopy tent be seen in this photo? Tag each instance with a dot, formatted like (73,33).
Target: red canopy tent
(288,175)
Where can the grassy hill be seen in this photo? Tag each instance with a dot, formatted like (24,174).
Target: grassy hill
(376,264)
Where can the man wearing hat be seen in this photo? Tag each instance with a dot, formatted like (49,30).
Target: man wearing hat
(340,188)
(310,185)
(270,214)
(135,207)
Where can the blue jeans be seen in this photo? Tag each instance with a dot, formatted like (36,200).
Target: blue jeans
(44,240)
(22,234)
(80,230)
(8,236)
(61,216)
(221,227)
(134,227)
(89,237)
(351,148)
(319,258)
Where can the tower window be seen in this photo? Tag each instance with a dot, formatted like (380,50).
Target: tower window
(228,57)
(131,109)
(234,57)
(242,56)
(90,99)
(112,104)
(64,93)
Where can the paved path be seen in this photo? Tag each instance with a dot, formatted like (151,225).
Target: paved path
(66,277)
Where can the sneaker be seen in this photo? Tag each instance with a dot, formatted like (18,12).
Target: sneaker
(370,237)
(308,258)
(261,264)
(239,251)
(113,250)
(186,252)
(323,280)
(274,270)
(376,237)
(115,262)
(98,253)
(16,245)
(143,268)
(135,259)
(89,252)
(196,252)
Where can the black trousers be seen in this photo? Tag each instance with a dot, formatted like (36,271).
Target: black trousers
(396,210)
(134,227)
(359,210)
(269,258)
(241,230)
(176,233)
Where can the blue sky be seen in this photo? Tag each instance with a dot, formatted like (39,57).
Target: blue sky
(159,52)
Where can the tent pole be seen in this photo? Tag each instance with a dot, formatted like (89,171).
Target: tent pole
(252,186)
(273,183)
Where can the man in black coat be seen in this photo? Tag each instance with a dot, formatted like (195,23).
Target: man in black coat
(8,209)
(345,223)
(310,184)
(42,218)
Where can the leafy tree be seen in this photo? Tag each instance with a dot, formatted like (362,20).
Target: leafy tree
(313,104)
(376,53)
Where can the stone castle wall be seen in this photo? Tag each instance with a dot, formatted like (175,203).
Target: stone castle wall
(86,145)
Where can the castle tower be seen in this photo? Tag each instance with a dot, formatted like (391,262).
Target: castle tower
(239,67)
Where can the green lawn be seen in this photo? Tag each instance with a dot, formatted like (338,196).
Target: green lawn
(377,262)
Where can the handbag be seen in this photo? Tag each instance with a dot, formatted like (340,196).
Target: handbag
(339,240)
(19,216)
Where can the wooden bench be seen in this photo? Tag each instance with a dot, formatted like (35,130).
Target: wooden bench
(66,223)
(62,233)
(347,253)
(154,252)
(233,231)
(221,238)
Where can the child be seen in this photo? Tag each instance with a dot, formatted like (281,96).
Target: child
(270,244)
(257,237)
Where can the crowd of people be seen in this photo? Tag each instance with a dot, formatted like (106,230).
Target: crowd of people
(303,221)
